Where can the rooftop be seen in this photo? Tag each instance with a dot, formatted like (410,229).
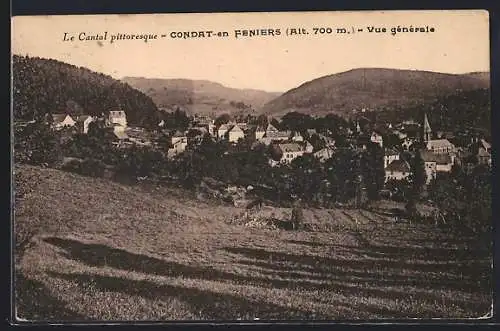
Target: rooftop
(439,143)
(429,156)
(399,166)
(290,147)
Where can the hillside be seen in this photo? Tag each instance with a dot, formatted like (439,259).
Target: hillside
(200,96)
(371,88)
(43,86)
(106,251)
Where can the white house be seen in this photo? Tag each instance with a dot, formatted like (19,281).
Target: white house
(60,121)
(324,154)
(260,132)
(178,147)
(117,117)
(83,122)
(117,127)
(398,170)
(290,151)
(389,156)
(235,133)
(377,138)
(297,137)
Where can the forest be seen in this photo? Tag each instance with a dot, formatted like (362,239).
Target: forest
(43,86)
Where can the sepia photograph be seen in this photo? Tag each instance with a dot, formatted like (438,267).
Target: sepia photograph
(272,166)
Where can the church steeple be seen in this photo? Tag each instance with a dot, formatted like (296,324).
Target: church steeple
(427,129)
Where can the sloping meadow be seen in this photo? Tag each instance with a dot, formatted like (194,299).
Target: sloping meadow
(106,251)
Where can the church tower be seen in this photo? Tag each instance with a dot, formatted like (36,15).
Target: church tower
(427,129)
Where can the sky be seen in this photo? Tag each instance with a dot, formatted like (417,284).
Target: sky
(459,44)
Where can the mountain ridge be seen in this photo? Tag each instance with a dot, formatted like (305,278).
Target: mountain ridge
(371,88)
(200,96)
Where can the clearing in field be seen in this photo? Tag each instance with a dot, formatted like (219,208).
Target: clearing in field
(106,251)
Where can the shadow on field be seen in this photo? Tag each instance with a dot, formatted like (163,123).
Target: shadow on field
(305,272)
(472,277)
(209,305)
(35,303)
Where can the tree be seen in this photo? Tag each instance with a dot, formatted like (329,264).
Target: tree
(296,121)
(372,169)
(222,119)
(38,144)
(392,141)
(418,179)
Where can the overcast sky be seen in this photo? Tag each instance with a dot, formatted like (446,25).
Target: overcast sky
(459,44)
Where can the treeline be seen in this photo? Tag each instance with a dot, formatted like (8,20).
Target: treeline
(42,86)
(458,112)
(351,176)
(465,199)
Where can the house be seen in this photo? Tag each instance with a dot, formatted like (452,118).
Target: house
(60,121)
(211,129)
(117,117)
(178,146)
(483,157)
(222,130)
(270,129)
(485,145)
(260,132)
(481,150)
(117,127)
(440,146)
(444,163)
(377,138)
(289,151)
(435,163)
(83,121)
(235,133)
(178,137)
(430,164)
(389,156)
(407,142)
(397,170)
(297,137)
(308,148)
(324,154)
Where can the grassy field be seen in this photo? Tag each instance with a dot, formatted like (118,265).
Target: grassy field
(105,251)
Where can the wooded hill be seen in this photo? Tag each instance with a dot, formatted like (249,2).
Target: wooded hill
(372,88)
(42,86)
(201,96)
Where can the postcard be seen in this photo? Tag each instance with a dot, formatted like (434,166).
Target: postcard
(281,166)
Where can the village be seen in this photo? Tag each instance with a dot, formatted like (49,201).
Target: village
(438,150)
